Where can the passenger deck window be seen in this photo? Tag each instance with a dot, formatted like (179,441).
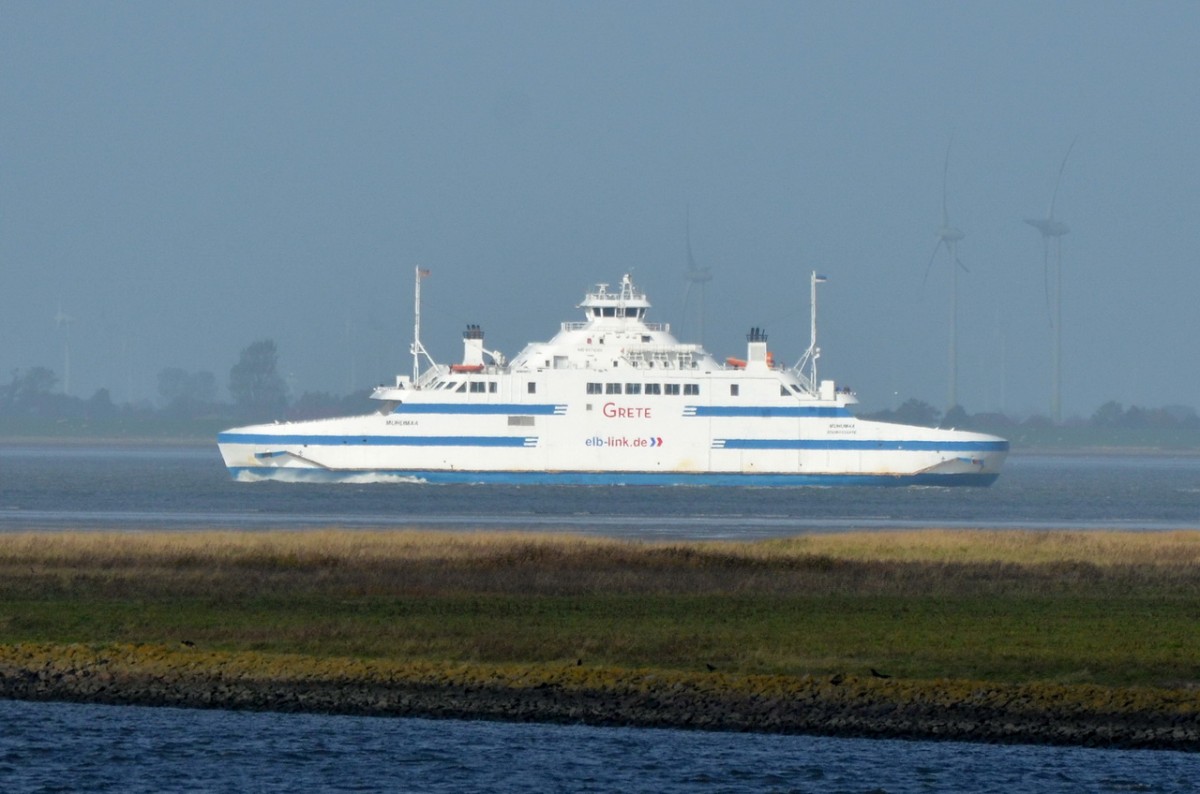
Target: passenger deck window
(691,389)
(633,388)
(653,388)
(671,388)
(612,388)
(594,388)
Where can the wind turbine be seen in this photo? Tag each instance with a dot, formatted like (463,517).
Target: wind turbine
(948,237)
(1053,229)
(697,277)
(63,321)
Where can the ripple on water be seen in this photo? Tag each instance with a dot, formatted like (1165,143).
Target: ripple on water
(61,747)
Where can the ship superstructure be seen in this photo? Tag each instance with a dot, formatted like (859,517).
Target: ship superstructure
(614,399)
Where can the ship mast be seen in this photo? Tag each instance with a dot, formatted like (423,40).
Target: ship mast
(811,355)
(417,348)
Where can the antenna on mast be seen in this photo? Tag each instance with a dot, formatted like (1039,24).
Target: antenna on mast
(811,355)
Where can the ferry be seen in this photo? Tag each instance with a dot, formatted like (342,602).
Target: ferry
(613,399)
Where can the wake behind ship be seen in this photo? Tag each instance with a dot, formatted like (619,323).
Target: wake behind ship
(613,399)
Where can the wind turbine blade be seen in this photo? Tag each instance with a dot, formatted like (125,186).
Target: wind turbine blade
(960,264)
(1046,276)
(932,257)
(691,262)
(945,174)
(1061,168)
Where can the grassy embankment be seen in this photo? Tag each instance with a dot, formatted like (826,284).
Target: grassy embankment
(1114,609)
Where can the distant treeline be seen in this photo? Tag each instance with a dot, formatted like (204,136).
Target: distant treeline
(188,404)
(257,390)
(1172,426)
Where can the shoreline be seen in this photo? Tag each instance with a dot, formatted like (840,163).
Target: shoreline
(848,706)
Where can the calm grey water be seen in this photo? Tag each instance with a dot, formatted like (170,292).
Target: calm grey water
(131,487)
(63,747)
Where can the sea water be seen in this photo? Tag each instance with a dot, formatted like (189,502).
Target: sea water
(148,487)
(70,747)
(52,747)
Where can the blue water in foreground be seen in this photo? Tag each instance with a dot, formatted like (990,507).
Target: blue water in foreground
(64,747)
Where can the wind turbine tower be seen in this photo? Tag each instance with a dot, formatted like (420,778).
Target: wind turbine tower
(698,278)
(1052,231)
(63,322)
(948,237)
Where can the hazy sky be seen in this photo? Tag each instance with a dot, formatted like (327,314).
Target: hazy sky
(183,178)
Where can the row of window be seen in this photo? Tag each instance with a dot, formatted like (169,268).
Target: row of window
(474,386)
(690,389)
(617,311)
(687,389)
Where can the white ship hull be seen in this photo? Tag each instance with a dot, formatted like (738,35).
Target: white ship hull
(589,407)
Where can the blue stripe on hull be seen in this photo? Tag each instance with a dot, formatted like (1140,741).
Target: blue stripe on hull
(766,411)
(624,478)
(870,446)
(271,439)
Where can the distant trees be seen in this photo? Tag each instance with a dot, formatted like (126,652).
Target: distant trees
(259,391)
(183,393)
(1112,414)
(29,392)
(255,382)
(912,412)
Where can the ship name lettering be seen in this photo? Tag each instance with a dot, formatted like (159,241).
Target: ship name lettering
(614,411)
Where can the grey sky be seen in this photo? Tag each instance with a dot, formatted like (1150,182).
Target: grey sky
(187,177)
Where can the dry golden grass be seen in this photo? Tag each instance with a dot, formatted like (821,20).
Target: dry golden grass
(337,563)
(307,548)
(1102,548)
